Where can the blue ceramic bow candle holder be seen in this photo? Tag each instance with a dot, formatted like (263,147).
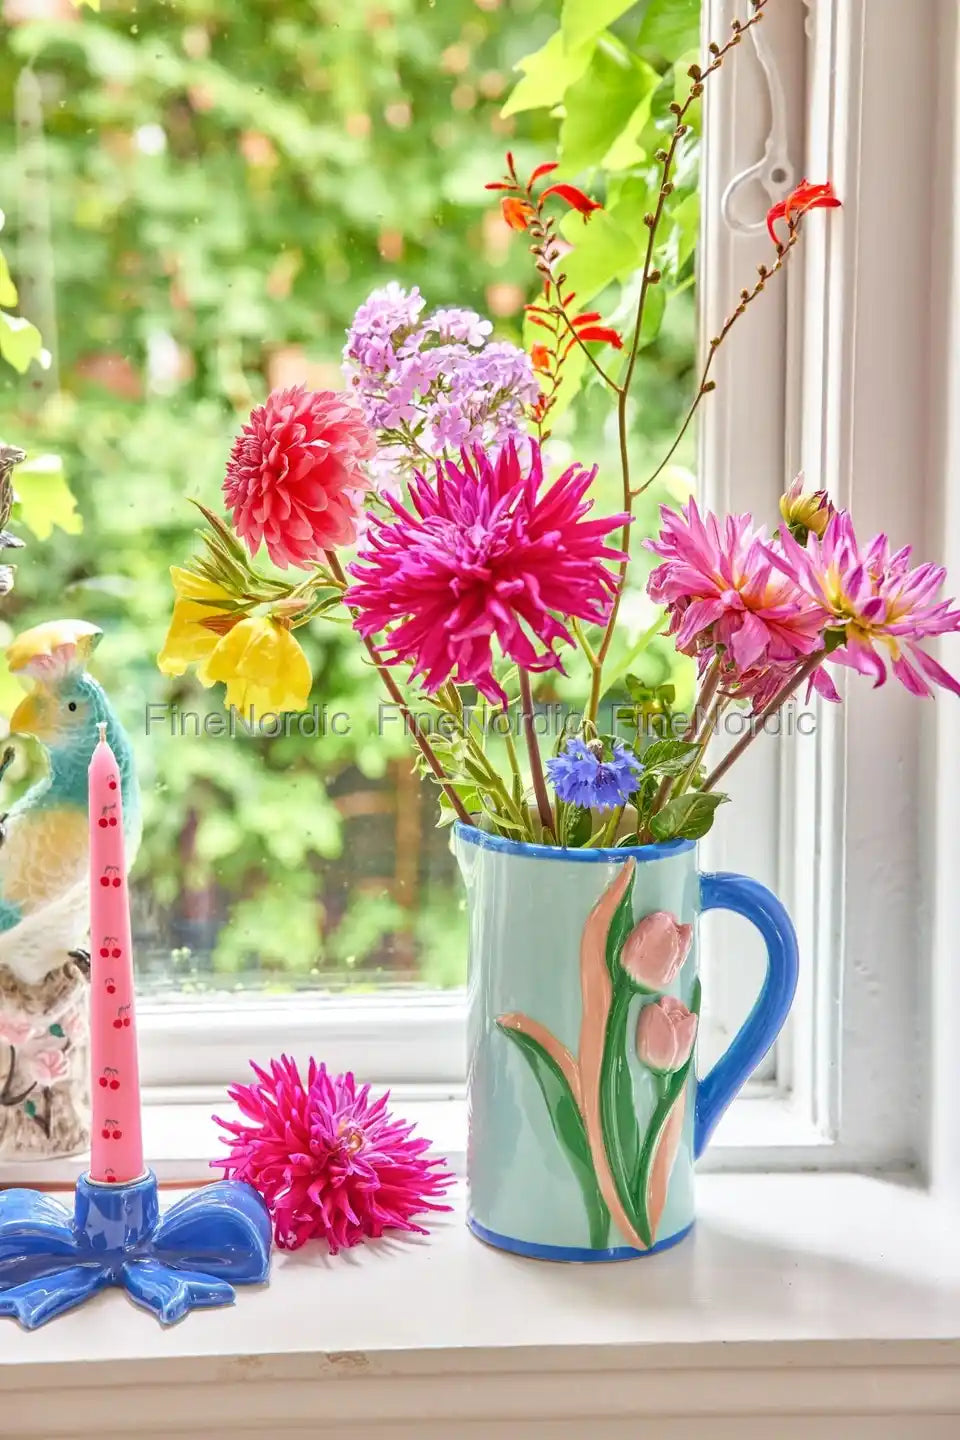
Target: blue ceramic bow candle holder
(189,1258)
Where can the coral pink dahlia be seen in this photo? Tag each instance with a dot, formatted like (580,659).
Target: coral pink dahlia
(485,552)
(330,1163)
(294,478)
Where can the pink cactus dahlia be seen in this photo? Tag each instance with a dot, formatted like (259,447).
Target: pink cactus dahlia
(884,606)
(330,1163)
(294,479)
(722,588)
(485,552)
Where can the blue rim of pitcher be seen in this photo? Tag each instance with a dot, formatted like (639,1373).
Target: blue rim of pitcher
(572,1254)
(483,840)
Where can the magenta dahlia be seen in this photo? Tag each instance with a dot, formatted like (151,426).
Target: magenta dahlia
(484,552)
(330,1162)
(295,479)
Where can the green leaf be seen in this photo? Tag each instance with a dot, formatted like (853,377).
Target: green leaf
(583,19)
(577,826)
(670,27)
(589,128)
(682,235)
(568,1127)
(8,291)
(57,1030)
(30,1109)
(603,251)
(668,757)
(687,818)
(20,342)
(44,498)
(547,74)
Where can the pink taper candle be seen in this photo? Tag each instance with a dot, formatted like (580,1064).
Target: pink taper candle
(117,1144)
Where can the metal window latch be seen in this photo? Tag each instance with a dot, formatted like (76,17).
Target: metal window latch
(774,170)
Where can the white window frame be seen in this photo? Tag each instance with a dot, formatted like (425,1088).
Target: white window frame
(851,1083)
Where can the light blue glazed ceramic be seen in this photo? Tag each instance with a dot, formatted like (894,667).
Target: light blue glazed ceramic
(586,1115)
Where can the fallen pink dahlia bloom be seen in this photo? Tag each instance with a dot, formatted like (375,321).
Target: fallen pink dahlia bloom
(295,479)
(331,1163)
(487,551)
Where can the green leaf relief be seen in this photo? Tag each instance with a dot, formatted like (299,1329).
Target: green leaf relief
(618,1111)
(569,1129)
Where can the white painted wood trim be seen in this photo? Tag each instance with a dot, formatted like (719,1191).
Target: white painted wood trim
(867,419)
(831,1303)
(940,852)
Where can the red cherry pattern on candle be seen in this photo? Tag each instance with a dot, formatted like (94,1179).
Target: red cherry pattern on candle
(117,1154)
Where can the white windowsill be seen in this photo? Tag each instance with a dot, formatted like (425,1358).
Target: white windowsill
(761,1131)
(803,1297)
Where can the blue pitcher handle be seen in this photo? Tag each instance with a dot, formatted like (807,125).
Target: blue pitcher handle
(762,1026)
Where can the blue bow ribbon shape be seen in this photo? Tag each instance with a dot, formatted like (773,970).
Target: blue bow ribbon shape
(190,1257)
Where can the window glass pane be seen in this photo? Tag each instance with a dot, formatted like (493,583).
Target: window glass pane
(196,206)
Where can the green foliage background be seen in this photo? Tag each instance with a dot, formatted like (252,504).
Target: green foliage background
(221,185)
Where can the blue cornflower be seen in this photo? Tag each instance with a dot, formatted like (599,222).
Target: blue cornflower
(581,777)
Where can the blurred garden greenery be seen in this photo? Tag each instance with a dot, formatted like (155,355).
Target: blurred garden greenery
(197,198)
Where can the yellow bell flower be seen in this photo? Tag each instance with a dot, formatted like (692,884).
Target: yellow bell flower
(189,641)
(262,666)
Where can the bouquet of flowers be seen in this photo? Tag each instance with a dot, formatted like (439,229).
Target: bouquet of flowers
(480,569)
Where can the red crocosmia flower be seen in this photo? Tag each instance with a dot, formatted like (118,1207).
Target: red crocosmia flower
(540,357)
(605,333)
(541,170)
(805,197)
(574,197)
(488,551)
(294,478)
(517,213)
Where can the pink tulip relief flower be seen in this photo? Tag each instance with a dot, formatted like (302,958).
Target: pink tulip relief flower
(666,1031)
(656,949)
(878,600)
(46,1067)
(295,479)
(486,551)
(721,588)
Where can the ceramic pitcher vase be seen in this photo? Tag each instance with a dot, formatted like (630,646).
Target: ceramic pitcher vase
(585,1111)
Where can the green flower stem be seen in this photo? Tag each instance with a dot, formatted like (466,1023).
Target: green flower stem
(811,663)
(393,690)
(650,276)
(512,757)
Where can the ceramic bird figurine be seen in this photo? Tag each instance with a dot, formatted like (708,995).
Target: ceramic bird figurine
(44,893)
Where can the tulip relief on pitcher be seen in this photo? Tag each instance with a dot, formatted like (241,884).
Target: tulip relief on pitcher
(622,1162)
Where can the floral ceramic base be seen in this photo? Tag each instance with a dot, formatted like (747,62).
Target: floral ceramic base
(44,1065)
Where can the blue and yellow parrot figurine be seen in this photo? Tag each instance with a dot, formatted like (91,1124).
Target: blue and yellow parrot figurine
(44,892)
